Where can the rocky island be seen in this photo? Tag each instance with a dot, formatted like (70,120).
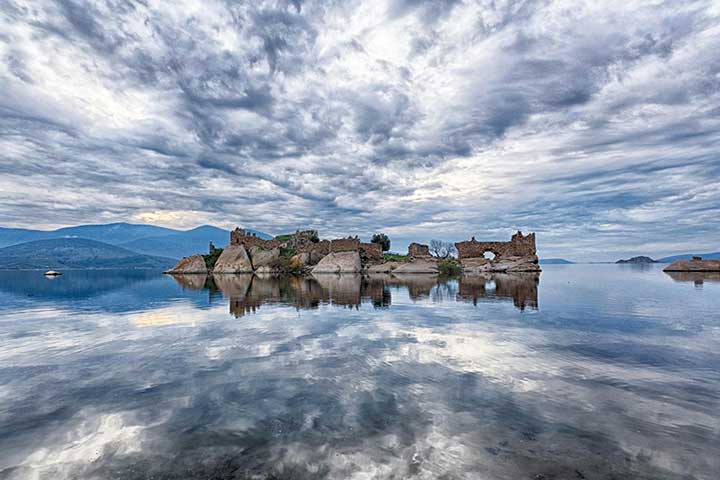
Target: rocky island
(696,264)
(304,252)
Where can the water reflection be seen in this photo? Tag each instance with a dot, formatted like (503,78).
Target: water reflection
(246,293)
(698,278)
(616,376)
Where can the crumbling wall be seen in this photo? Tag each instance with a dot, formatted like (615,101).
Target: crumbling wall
(371,251)
(519,246)
(241,237)
(318,248)
(345,245)
(418,250)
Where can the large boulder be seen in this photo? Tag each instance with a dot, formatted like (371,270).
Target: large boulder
(264,260)
(694,265)
(419,265)
(339,262)
(191,264)
(234,259)
(481,265)
(386,267)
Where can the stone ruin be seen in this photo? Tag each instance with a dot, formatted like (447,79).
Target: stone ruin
(249,253)
(519,255)
(416,250)
(518,246)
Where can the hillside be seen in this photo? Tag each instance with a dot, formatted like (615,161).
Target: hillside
(555,261)
(74,253)
(145,239)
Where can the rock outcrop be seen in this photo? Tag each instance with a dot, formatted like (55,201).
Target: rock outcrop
(697,264)
(264,261)
(191,264)
(503,264)
(234,259)
(340,262)
(420,265)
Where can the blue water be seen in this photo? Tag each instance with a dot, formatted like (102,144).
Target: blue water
(585,371)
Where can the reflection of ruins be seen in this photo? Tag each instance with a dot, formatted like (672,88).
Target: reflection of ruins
(698,278)
(247,293)
(521,287)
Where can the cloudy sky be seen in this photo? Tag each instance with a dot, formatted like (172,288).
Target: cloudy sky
(595,124)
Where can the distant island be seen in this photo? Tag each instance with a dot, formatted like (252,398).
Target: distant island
(640,259)
(555,261)
(304,252)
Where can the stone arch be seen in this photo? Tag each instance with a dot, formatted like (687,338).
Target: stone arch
(490,254)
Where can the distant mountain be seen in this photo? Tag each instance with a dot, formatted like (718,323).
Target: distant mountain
(180,244)
(688,256)
(146,239)
(555,261)
(640,259)
(73,253)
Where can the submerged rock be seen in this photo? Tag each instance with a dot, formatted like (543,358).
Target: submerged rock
(234,259)
(339,262)
(191,264)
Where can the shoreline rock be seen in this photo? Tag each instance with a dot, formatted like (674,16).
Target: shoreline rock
(339,262)
(694,265)
(234,259)
(193,264)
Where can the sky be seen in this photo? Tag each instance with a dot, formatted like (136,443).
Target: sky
(594,124)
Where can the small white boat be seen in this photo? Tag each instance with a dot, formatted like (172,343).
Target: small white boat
(52,273)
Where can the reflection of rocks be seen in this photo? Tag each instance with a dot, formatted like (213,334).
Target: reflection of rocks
(191,264)
(247,293)
(191,281)
(521,287)
(234,259)
(698,278)
(341,289)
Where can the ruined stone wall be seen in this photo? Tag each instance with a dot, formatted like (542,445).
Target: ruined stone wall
(320,248)
(241,237)
(418,250)
(345,245)
(519,246)
(371,251)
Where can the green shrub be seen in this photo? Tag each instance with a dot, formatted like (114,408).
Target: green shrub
(212,257)
(382,240)
(449,266)
(284,237)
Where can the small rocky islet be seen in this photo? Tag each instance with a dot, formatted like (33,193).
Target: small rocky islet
(304,252)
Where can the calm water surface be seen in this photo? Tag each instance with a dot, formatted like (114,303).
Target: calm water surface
(595,372)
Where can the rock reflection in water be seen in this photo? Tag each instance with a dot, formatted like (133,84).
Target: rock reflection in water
(246,293)
(521,287)
(698,278)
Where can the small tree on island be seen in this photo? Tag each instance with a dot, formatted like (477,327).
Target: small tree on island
(442,249)
(382,240)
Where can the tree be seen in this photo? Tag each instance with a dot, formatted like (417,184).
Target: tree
(382,240)
(441,249)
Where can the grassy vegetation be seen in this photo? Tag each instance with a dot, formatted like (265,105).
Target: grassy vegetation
(395,257)
(284,237)
(449,266)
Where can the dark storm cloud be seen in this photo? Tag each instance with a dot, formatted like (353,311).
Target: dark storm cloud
(422,118)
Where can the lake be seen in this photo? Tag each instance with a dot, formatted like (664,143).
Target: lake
(583,371)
